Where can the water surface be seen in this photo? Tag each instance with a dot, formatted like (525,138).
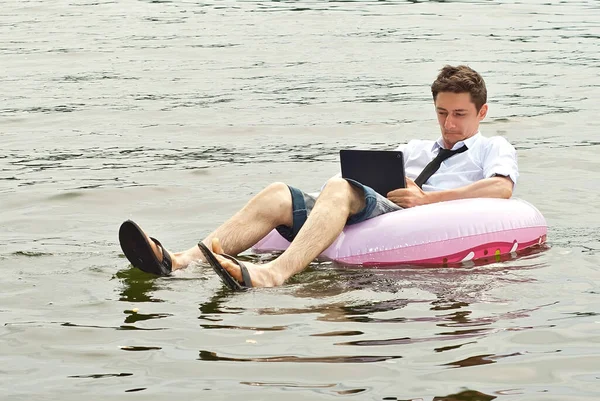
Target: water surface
(174,113)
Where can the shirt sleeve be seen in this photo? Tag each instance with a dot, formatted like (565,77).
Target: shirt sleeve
(501,159)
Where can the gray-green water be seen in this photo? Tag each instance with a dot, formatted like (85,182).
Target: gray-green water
(173,113)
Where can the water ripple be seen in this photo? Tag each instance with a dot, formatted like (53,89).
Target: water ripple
(213,356)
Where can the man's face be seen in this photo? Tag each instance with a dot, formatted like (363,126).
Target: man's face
(457,116)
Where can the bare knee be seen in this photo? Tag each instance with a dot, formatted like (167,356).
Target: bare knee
(275,203)
(344,194)
(337,185)
(278,190)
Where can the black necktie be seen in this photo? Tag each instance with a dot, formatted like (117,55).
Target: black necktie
(435,164)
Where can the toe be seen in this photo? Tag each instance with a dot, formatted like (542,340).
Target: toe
(216,246)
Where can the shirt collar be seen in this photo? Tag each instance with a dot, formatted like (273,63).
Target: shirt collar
(469,142)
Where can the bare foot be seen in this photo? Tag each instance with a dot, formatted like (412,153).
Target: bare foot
(261,275)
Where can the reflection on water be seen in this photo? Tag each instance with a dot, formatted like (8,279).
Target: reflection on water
(134,390)
(216,305)
(339,333)
(212,356)
(468,395)
(479,360)
(453,290)
(134,316)
(332,388)
(249,328)
(122,327)
(137,285)
(139,348)
(100,375)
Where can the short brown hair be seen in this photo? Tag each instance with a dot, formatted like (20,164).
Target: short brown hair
(461,79)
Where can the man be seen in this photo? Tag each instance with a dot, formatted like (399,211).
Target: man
(480,168)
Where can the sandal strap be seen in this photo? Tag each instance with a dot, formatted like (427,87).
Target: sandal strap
(166,259)
(247,280)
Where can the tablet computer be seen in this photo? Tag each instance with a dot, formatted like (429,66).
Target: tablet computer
(382,170)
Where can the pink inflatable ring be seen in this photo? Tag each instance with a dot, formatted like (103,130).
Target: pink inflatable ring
(441,233)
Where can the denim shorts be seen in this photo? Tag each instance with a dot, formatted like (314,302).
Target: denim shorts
(302,204)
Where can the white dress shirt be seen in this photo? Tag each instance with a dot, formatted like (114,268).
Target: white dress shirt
(485,158)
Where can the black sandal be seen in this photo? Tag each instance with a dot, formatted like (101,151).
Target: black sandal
(226,277)
(138,251)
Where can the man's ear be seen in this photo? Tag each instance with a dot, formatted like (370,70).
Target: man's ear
(483,112)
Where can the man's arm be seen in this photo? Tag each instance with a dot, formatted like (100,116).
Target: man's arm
(412,195)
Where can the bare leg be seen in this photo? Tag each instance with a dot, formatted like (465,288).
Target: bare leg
(268,209)
(337,202)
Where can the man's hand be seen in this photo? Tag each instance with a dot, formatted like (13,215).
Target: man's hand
(410,196)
